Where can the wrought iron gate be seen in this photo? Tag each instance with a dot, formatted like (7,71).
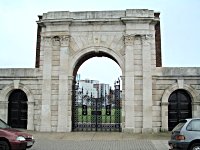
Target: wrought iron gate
(96,112)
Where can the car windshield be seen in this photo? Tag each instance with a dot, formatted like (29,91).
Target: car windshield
(3,125)
(180,125)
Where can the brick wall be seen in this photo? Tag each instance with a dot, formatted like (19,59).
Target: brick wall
(158,42)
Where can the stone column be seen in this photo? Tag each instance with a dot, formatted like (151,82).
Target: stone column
(195,109)
(3,110)
(46,85)
(123,102)
(129,84)
(63,100)
(164,115)
(30,125)
(70,83)
(147,83)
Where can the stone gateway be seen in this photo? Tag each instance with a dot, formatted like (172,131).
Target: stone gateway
(154,98)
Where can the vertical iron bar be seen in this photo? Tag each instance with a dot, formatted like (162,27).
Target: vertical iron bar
(110,98)
(81,108)
(96,113)
(100,105)
(105,115)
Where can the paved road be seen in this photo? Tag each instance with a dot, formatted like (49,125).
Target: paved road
(99,141)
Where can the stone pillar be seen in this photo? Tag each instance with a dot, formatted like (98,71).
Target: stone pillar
(70,83)
(123,102)
(129,84)
(30,124)
(63,100)
(3,110)
(147,83)
(196,109)
(46,85)
(164,115)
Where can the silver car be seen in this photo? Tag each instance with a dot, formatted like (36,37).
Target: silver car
(186,135)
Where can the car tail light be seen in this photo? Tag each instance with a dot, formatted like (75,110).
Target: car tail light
(180,137)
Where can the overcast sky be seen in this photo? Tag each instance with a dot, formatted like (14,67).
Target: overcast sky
(180,28)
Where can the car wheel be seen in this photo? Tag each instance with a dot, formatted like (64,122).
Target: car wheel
(4,145)
(195,146)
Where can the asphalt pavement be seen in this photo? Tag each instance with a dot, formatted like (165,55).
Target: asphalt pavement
(99,141)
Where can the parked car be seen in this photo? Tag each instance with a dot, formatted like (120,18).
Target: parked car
(186,135)
(12,139)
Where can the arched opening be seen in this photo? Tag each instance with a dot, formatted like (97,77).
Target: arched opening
(95,105)
(17,109)
(179,107)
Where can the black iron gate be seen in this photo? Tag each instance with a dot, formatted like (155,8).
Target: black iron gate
(96,112)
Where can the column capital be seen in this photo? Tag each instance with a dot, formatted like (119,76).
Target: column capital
(56,41)
(64,40)
(59,40)
(47,41)
(146,37)
(129,39)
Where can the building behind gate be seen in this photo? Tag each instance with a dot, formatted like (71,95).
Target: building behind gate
(154,98)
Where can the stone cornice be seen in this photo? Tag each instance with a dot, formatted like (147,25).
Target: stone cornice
(193,72)
(124,16)
(48,22)
(54,33)
(137,20)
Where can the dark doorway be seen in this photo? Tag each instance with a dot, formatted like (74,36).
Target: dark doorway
(17,109)
(179,108)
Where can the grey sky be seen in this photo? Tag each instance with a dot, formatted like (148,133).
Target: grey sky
(180,27)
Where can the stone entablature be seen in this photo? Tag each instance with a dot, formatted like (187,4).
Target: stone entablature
(92,15)
(67,39)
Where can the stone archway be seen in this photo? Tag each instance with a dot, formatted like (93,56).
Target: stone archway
(96,51)
(164,101)
(88,125)
(128,37)
(6,91)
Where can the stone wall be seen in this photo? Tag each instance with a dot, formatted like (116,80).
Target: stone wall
(165,81)
(29,81)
